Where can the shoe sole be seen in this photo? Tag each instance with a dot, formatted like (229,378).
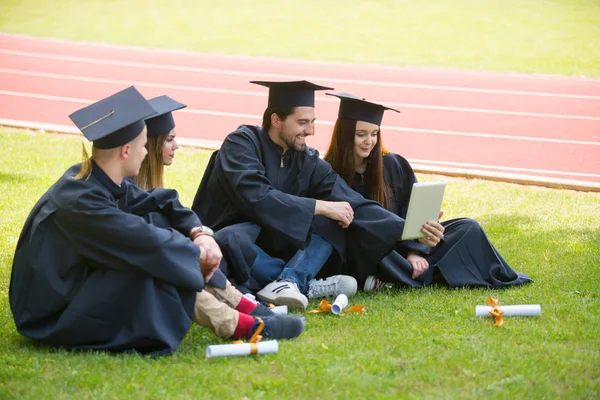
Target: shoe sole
(292,302)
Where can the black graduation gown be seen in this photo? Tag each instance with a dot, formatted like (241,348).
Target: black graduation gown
(465,257)
(250,181)
(89,274)
(162,208)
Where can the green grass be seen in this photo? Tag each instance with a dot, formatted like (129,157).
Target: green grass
(410,344)
(531,36)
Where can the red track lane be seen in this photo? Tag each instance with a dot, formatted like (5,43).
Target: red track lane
(548,126)
(537,83)
(514,125)
(388,94)
(567,158)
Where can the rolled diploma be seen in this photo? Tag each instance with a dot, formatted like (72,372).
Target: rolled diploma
(339,304)
(243,349)
(283,310)
(524,310)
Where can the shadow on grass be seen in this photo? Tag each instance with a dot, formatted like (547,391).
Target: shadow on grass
(14,178)
(43,349)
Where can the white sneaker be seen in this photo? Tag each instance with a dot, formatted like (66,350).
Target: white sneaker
(332,286)
(373,284)
(283,293)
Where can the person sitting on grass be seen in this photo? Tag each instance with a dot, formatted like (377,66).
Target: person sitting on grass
(90,274)
(214,304)
(303,218)
(455,252)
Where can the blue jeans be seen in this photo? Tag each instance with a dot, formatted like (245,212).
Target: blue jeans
(301,268)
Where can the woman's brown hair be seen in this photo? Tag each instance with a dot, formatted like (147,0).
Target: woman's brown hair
(341,157)
(151,171)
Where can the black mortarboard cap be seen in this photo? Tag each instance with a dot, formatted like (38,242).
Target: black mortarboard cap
(115,120)
(352,107)
(162,123)
(291,94)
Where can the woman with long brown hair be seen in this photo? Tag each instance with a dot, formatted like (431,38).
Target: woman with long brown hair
(455,252)
(161,143)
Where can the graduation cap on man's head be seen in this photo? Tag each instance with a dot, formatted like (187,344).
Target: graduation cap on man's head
(115,120)
(162,123)
(291,94)
(352,107)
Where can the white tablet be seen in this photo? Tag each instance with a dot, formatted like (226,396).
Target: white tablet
(424,205)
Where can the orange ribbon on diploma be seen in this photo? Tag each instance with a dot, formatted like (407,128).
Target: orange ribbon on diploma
(324,306)
(256,337)
(495,311)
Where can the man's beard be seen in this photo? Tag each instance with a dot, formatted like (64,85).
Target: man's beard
(290,142)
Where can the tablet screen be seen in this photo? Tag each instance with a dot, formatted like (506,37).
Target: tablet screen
(424,205)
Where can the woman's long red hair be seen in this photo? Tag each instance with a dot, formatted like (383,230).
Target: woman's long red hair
(341,157)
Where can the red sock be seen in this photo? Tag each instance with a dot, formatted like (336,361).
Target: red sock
(246,306)
(245,322)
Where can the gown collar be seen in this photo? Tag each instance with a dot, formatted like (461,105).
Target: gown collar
(277,148)
(98,173)
(359,184)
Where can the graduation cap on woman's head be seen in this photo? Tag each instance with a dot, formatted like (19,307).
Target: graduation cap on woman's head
(291,94)
(115,120)
(162,122)
(352,107)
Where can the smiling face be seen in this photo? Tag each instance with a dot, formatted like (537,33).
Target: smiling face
(295,128)
(169,147)
(366,136)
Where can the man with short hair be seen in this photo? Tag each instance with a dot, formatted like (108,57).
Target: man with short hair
(89,273)
(276,191)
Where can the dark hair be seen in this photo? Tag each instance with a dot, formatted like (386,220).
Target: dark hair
(341,157)
(282,113)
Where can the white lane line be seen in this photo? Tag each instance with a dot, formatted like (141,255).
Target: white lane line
(263,94)
(489,111)
(551,182)
(256,75)
(417,130)
(435,166)
(46,97)
(498,167)
(136,83)
(341,64)
(490,136)
(320,122)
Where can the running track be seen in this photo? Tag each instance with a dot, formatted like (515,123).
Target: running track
(520,128)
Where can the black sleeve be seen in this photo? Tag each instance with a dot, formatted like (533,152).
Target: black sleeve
(111,238)
(166,202)
(288,215)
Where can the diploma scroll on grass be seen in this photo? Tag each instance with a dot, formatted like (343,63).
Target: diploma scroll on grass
(523,310)
(239,348)
(242,349)
(339,304)
(493,309)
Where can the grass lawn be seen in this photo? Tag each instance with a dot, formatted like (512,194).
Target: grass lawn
(410,344)
(531,36)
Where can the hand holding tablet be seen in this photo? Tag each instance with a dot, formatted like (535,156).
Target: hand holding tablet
(424,205)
